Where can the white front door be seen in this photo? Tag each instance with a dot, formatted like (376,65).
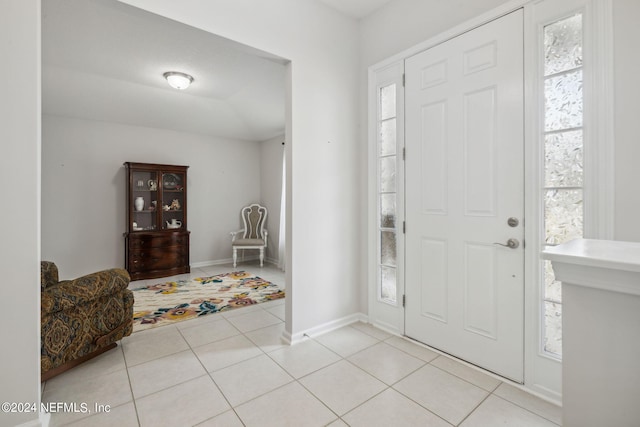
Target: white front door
(464,195)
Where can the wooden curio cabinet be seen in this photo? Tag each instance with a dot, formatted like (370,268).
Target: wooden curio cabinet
(157,239)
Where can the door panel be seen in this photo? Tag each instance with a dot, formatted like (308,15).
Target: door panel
(464,179)
(479,151)
(479,289)
(434,159)
(434,271)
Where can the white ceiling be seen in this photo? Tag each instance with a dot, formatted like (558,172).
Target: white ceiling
(104,60)
(357,9)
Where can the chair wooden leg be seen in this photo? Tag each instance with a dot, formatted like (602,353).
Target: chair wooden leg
(261,257)
(235,257)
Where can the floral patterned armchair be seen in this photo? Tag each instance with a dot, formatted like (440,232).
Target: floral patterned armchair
(81,318)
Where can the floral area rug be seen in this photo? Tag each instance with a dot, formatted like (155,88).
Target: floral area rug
(165,302)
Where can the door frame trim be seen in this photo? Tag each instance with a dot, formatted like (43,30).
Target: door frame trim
(383,315)
(543,372)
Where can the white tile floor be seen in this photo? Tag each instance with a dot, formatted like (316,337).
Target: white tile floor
(232,369)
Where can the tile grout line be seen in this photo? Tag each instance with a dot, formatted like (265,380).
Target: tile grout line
(386,385)
(89,415)
(160,357)
(420,405)
(474,409)
(465,380)
(371,398)
(424,363)
(232,408)
(133,398)
(297,380)
(342,358)
(316,397)
(522,407)
(330,349)
(406,352)
(189,348)
(430,362)
(491,392)
(303,376)
(209,373)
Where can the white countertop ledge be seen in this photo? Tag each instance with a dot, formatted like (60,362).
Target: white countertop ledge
(610,254)
(602,264)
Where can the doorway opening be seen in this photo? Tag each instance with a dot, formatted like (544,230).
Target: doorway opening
(105,101)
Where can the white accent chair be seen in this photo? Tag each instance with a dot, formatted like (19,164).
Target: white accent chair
(253,235)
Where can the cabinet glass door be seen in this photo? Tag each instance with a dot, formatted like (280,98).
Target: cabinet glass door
(173,205)
(145,199)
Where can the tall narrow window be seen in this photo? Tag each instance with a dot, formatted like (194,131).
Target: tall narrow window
(563,158)
(387,194)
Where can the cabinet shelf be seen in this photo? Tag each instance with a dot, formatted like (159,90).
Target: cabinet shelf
(153,250)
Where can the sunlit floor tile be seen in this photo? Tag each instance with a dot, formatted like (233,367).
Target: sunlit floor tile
(346,341)
(158,374)
(304,358)
(121,416)
(530,402)
(390,408)
(342,386)
(498,412)
(291,403)
(467,373)
(250,379)
(386,362)
(227,419)
(441,393)
(185,404)
(151,344)
(227,352)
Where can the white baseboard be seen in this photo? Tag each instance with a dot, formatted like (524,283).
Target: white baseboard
(286,337)
(45,419)
(537,390)
(387,327)
(211,262)
(230,261)
(316,331)
(270,260)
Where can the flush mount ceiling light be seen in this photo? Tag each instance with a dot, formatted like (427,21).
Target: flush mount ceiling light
(178,80)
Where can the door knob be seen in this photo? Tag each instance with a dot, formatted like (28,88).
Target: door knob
(511,243)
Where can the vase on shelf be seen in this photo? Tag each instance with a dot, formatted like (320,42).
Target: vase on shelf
(139,203)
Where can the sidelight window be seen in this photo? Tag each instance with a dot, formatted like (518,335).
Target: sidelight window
(563,187)
(387,194)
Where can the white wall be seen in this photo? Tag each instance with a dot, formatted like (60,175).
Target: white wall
(322,140)
(271,189)
(20,173)
(626,15)
(84,189)
(404,23)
